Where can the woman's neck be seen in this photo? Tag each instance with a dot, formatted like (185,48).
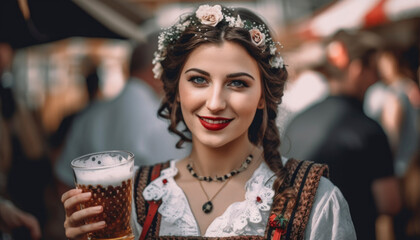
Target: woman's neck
(208,161)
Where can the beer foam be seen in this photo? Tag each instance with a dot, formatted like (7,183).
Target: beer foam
(101,160)
(95,171)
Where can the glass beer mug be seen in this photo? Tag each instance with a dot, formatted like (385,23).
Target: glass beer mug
(109,177)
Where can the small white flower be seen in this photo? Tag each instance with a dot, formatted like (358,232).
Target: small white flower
(276,61)
(239,23)
(183,26)
(230,20)
(209,15)
(186,23)
(257,37)
(180,27)
(157,70)
(273,49)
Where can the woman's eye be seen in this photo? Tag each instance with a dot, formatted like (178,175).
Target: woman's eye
(238,84)
(198,80)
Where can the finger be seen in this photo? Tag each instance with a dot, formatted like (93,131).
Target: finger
(70,194)
(77,217)
(70,205)
(77,232)
(11,216)
(32,224)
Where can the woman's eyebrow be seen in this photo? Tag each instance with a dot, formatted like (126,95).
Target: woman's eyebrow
(198,70)
(239,74)
(232,75)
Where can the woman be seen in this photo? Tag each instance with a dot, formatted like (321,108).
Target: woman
(392,103)
(223,78)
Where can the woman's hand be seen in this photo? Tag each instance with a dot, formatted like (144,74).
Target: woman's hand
(12,218)
(74,225)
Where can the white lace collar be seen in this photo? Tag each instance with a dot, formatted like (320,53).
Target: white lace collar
(248,217)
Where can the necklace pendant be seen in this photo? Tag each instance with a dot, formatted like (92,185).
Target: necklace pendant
(207,207)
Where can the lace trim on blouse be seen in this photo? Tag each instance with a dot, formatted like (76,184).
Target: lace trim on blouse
(248,217)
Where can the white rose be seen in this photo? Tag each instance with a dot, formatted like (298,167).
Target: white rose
(257,37)
(209,15)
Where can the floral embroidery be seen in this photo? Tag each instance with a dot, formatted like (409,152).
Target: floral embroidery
(279,222)
(240,218)
(174,208)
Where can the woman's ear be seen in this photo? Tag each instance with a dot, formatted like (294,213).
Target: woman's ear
(261,103)
(337,54)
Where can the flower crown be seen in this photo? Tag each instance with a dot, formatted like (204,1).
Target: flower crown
(211,16)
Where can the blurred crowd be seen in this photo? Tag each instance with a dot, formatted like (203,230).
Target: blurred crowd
(360,115)
(356,107)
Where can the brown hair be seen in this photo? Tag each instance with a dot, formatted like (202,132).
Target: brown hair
(263,130)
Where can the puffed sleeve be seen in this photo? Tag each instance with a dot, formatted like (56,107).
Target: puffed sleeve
(330,215)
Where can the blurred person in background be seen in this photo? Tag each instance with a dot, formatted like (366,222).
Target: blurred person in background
(25,169)
(58,139)
(127,122)
(92,85)
(337,132)
(407,222)
(13,220)
(308,88)
(388,102)
(306,84)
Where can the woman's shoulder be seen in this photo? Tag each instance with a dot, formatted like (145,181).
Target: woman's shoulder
(327,192)
(330,215)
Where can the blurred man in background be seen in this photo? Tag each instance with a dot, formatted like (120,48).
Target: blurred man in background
(92,85)
(127,122)
(337,132)
(24,168)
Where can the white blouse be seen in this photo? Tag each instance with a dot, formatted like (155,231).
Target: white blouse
(329,218)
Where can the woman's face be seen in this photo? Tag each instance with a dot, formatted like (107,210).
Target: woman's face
(219,93)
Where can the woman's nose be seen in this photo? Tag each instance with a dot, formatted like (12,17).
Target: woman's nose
(216,100)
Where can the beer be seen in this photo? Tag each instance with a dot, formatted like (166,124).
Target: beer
(109,177)
(116,202)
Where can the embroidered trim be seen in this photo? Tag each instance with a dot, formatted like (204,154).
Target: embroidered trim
(296,174)
(304,178)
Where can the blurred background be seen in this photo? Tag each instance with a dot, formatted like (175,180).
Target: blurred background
(54,45)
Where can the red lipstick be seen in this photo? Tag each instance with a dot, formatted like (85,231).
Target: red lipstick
(214,123)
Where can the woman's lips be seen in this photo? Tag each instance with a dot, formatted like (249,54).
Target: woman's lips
(214,123)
